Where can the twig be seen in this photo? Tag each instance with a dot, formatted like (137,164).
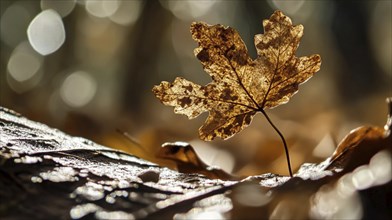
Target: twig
(283,140)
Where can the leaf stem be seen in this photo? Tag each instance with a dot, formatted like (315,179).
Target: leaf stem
(283,140)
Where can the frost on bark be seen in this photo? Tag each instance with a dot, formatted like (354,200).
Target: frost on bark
(47,174)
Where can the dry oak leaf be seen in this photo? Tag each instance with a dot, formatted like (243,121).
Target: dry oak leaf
(241,86)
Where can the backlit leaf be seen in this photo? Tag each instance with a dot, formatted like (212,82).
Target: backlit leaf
(241,86)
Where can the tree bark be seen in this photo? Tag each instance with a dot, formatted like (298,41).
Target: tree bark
(47,174)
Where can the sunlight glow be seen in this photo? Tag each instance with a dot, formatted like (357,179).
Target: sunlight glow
(127,13)
(362,178)
(78,89)
(251,195)
(345,186)
(81,210)
(113,215)
(381,167)
(325,147)
(213,156)
(327,203)
(46,32)
(102,9)
(213,207)
(187,10)
(24,68)
(341,200)
(24,63)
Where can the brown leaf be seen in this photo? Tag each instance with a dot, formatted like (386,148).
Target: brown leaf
(188,161)
(241,86)
(361,144)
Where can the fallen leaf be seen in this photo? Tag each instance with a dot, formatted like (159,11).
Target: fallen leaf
(361,144)
(241,86)
(188,161)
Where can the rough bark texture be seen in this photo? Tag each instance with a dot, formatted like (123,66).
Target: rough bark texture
(46,174)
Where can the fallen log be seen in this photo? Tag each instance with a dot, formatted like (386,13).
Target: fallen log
(47,174)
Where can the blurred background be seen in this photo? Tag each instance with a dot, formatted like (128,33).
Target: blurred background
(87,67)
